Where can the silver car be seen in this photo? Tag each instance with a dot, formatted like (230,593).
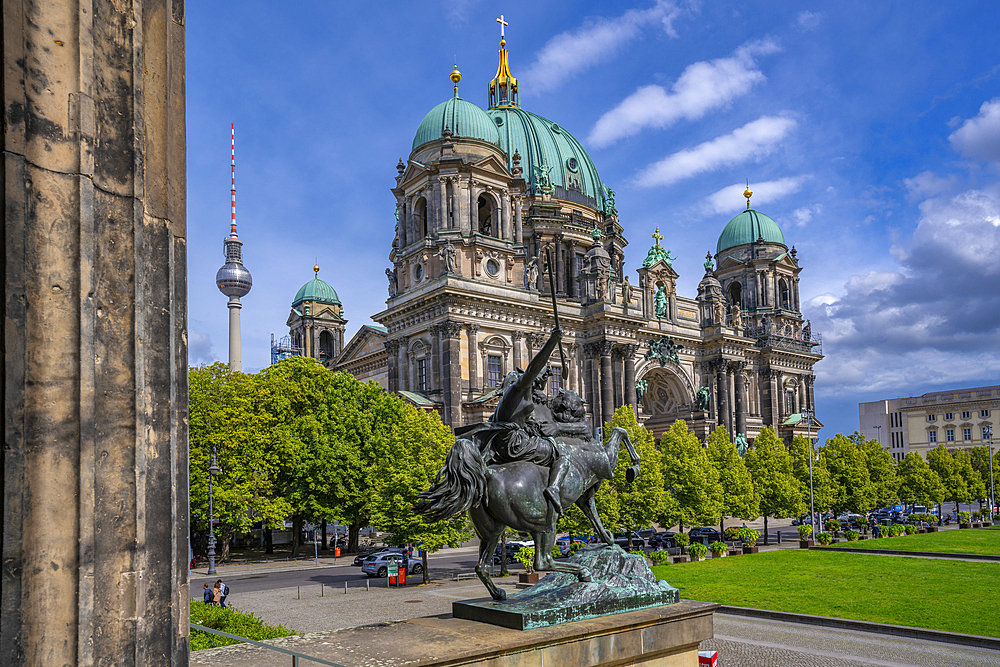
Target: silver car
(379,566)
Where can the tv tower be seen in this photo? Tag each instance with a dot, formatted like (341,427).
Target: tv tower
(233,278)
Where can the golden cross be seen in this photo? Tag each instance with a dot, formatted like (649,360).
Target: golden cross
(502,24)
(657,235)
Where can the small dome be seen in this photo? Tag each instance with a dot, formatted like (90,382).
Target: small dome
(464,119)
(317,291)
(746,228)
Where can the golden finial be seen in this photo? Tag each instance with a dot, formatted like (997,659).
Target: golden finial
(748,194)
(502,23)
(657,236)
(316,269)
(456,76)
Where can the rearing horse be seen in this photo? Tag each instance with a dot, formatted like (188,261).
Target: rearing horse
(511,494)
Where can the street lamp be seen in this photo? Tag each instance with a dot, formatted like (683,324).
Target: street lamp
(878,428)
(213,469)
(993,499)
(807,417)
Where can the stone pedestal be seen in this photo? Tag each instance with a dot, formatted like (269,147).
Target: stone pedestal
(659,637)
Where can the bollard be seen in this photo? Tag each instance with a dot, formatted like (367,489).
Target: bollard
(345,588)
(298,592)
(779,537)
(367,581)
(322,590)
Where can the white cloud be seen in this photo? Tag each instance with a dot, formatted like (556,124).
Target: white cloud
(807,20)
(729,198)
(979,137)
(570,53)
(702,86)
(928,184)
(200,349)
(753,141)
(804,215)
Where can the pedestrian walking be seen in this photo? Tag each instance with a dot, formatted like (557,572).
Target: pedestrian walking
(217,593)
(206,595)
(876,531)
(223,592)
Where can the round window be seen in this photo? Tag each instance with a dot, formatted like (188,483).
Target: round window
(498,120)
(418,273)
(556,128)
(493,267)
(572,164)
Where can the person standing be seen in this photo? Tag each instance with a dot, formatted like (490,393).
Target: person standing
(206,595)
(223,592)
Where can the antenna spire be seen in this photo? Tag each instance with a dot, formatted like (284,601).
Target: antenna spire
(748,194)
(233,191)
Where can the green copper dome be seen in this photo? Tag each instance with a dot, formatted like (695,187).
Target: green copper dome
(464,119)
(317,291)
(543,143)
(747,227)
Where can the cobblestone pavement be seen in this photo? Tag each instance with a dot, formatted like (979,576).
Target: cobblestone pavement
(748,642)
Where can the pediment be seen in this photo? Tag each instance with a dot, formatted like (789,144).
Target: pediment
(659,268)
(362,343)
(493,164)
(414,171)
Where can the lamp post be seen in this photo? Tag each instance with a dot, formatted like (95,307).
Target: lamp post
(993,499)
(807,417)
(878,429)
(213,469)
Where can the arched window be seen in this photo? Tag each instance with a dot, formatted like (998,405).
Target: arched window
(486,216)
(325,345)
(420,209)
(783,291)
(735,294)
(789,402)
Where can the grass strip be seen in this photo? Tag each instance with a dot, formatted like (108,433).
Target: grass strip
(954,596)
(229,620)
(985,542)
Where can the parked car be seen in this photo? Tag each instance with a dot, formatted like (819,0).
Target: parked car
(512,549)
(365,553)
(662,540)
(621,539)
(563,545)
(705,535)
(372,556)
(379,566)
(646,533)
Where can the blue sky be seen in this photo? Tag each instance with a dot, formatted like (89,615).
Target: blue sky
(869,131)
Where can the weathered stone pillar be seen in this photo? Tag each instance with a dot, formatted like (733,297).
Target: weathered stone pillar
(436,355)
(451,333)
(508,232)
(560,276)
(518,224)
(403,367)
(722,394)
(810,396)
(95,457)
(473,331)
(442,216)
(473,206)
(617,373)
(772,377)
(607,394)
(515,338)
(463,197)
(392,370)
(741,401)
(540,285)
(629,355)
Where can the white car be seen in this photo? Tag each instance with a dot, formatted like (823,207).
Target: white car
(379,566)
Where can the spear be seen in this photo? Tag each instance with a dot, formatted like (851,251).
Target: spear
(555,311)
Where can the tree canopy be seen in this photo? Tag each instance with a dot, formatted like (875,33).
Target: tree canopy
(690,479)
(738,498)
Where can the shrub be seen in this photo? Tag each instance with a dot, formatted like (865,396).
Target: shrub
(718,548)
(638,552)
(658,557)
(910,529)
(851,535)
(832,525)
(232,621)
(698,550)
(964,516)
(749,536)
(895,530)
(575,546)
(526,557)
(682,539)
(732,533)
(976,516)
(862,521)
(805,530)
(556,552)
(824,538)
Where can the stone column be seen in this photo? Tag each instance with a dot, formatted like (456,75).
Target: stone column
(560,275)
(574,270)
(629,351)
(617,373)
(95,397)
(473,206)
(772,377)
(462,196)
(473,331)
(435,369)
(451,333)
(741,401)
(722,394)
(403,367)
(515,338)
(508,232)
(607,393)
(518,224)
(411,232)
(541,266)
(810,396)
(392,370)
(571,380)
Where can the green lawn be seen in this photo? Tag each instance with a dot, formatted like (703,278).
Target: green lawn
(956,596)
(978,541)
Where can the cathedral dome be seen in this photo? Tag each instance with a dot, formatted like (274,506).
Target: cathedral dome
(316,291)
(464,119)
(545,144)
(746,228)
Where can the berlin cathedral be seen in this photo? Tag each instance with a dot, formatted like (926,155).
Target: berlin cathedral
(484,198)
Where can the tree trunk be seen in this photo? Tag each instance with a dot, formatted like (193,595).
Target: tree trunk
(227,532)
(765,530)
(722,528)
(296,534)
(423,560)
(322,528)
(352,537)
(504,572)
(268,541)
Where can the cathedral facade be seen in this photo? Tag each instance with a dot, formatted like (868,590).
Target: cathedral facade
(498,210)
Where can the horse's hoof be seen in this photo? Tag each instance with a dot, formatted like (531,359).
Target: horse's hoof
(631,473)
(501,595)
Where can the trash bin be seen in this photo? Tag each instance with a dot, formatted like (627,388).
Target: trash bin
(708,658)
(336,552)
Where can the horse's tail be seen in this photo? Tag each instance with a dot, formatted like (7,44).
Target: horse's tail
(460,484)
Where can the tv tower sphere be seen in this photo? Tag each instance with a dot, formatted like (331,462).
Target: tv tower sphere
(233,278)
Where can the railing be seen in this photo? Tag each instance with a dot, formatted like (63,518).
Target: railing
(295,654)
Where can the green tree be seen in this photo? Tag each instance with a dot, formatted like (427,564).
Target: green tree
(770,466)
(735,483)
(853,490)
(981,464)
(407,464)
(918,482)
(881,471)
(973,480)
(689,478)
(948,470)
(822,483)
(227,410)
(641,501)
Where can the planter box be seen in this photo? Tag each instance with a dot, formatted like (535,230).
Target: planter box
(922,530)
(749,550)
(977,525)
(834,541)
(932,529)
(862,537)
(734,552)
(722,555)
(805,544)
(679,559)
(695,559)
(963,525)
(527,578)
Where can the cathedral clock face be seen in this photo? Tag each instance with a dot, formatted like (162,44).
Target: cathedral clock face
(493,267)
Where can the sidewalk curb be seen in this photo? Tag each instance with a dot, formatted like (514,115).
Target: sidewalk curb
(975,641)
(900,552)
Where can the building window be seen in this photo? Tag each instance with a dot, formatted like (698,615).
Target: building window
(789,402)
(966,434)
(421,375)
(932,418)
(494,371)
(965,414)
(986,433)
(950,435)
(984,413)
(555,380)
(949,416)
(932,435)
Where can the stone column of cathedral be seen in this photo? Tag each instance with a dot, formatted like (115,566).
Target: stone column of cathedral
(630,397)
(515,338)
(518,224)
(462,196)
(95,458)
(772,377)
(392,355)
(540,286)
(617,372)
(436,356)
(473,205)
(607,394)
(508,232)
(403,367)
(451,333)
(741,401)
(473,331)
(560,275)
(442,217)
(574,270)
(722,394)
(810,397)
